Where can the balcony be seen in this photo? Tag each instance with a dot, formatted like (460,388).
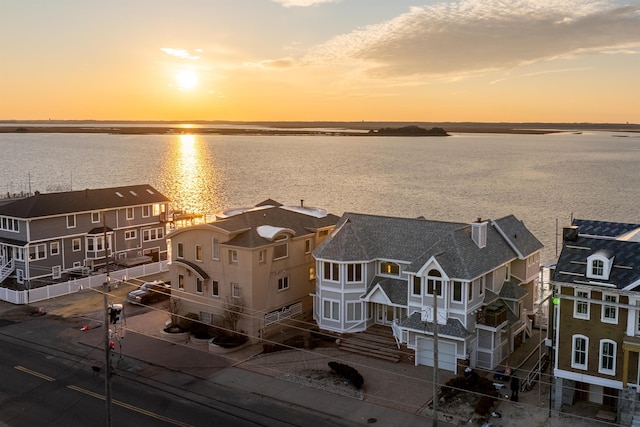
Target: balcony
(492,316)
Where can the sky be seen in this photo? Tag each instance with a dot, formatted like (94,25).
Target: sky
(321,60)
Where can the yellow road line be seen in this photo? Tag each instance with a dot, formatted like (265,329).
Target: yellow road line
(37,374)
(130,407)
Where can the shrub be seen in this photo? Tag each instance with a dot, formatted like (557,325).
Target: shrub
(188,320)
(346,371)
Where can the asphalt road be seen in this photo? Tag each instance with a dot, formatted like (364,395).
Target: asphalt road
(42,384)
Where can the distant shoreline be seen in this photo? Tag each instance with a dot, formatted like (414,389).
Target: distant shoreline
(293,128)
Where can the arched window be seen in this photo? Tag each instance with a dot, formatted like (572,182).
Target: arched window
(434,281)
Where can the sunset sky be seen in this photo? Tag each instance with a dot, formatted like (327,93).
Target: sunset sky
(321,60)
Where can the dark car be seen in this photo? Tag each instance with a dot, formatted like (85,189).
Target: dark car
(150,292)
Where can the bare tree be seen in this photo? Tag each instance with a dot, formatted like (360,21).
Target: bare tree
(173,307)
(233,309)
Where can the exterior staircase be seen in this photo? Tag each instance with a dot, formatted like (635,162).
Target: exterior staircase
(6,270)
(377,341)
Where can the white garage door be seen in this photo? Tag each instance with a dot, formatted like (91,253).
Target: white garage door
(446,354)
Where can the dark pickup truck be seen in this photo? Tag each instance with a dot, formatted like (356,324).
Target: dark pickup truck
(150,292)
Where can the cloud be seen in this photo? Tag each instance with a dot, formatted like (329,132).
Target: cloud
(303,3)
(182,53)
(273,63)
(472,36)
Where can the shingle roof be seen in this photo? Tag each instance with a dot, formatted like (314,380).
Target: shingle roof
(395,289)
(604,228)
(274,215)
(453,328)
(359,237)
(48,204)
(572,263)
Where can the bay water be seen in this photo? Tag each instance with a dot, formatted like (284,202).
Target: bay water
(544,180)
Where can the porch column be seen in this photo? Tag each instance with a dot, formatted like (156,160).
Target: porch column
(627,347)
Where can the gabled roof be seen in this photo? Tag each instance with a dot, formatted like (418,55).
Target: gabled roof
(363,238)
(249,227)
(512,291)
(68,202)
(572,264)
(394,289)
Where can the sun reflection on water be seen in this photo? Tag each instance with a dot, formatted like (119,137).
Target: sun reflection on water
(191,177)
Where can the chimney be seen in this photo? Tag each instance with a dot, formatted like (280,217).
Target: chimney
(302,203)
(570,234)
(86,193)
(479,232)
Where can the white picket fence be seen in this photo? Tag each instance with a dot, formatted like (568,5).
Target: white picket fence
(28,296)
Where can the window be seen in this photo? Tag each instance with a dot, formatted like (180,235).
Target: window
(579,352)
(470,291)
(129,213)
(457,292)
(198,253)
(331,271)
(597,267)
(354,272)
(146,211)
(609,312)
(38,252)
(180,250)
(152,234)
(215,248)
(262,256)
(331,310)
(75,245)
(283,283)
(434,285)
(233,256)
(312,273)
(71,221)
(581,307)
(54,248)
(215,289)
(417,286)
(180,281)
(9,224)
(130,234)
(95,217)
(307,246)
(390,268)
(198,285)
(354,311)
(607,357)
(235,290)
(56,272)
(481,291)
(281,250)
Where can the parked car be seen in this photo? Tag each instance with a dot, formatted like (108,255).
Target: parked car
(150,292)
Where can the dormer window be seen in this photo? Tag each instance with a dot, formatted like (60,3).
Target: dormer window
(599,267)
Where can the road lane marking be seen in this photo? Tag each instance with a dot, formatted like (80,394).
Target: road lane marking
(130,407)
(34,373)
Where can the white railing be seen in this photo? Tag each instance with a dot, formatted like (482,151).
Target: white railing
(6,270)
(74,285)
(397,332)
(527,322)
(284,313)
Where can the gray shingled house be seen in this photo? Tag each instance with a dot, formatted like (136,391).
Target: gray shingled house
(377,270)
(597,324)
(47,235)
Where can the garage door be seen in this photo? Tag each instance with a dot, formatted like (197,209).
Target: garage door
(446,354)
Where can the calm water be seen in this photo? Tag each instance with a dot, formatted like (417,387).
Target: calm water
(539,178)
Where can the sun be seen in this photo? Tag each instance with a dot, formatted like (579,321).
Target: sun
(186,79)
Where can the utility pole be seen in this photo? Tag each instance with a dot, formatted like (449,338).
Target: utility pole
(435,351)
(107,344)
